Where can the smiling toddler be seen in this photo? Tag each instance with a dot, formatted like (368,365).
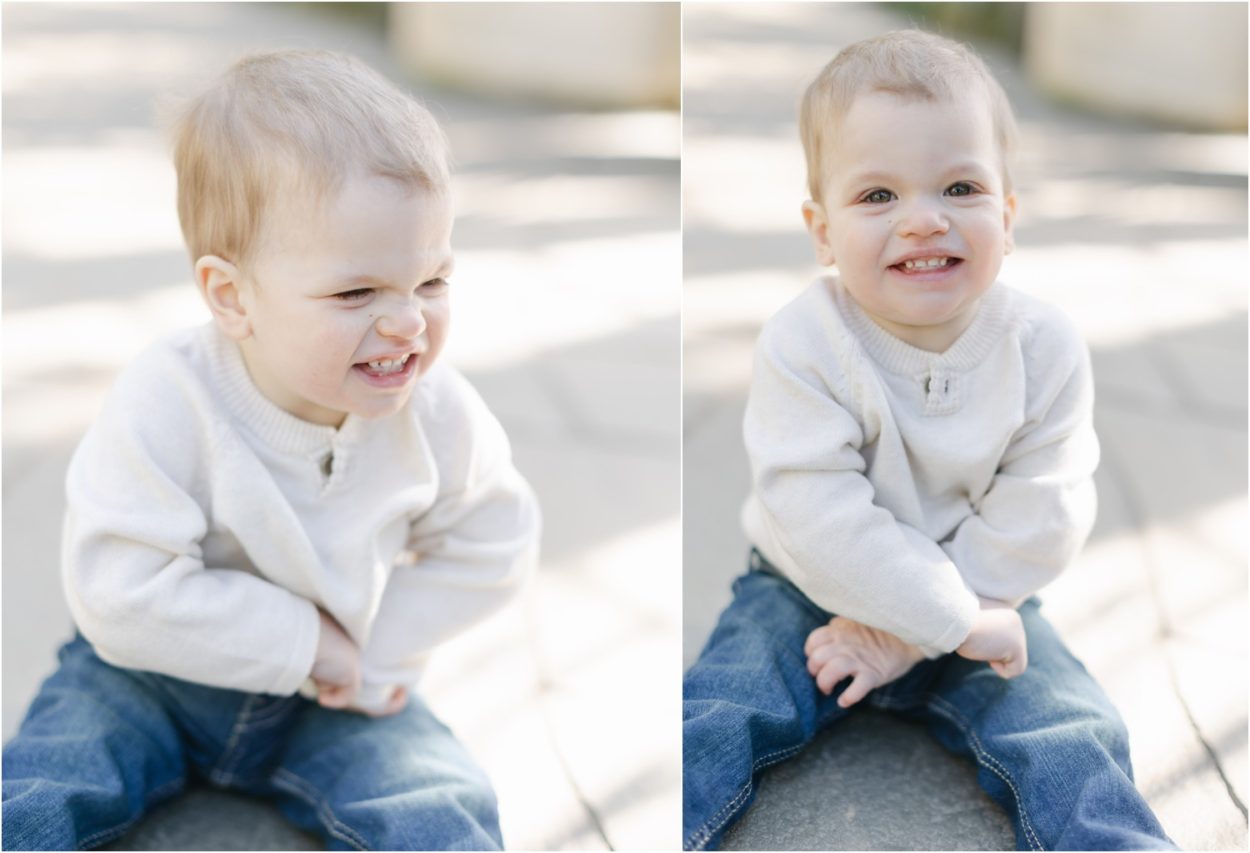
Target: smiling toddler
(278,515)
(922,450)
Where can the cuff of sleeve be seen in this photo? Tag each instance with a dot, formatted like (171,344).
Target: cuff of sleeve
(303,649)
(955,633)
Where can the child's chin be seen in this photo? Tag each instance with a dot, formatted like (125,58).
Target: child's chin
(392,405)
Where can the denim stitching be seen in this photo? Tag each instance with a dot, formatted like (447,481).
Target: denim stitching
(277,709)
(106,835)
(223,772)
(170,697)
(307,792)
(988,761)
(700,838)
(727,810)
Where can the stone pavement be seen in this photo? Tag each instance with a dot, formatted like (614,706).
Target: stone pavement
(567,319)
(1139,233)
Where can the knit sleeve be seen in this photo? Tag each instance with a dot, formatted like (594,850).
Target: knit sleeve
(1041,504)
(132,564)
(472,549)
(846,553)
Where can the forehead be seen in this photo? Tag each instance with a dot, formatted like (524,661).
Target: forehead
(885,131)
(364,216)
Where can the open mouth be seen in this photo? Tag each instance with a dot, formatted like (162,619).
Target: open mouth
(919,266)
(388,371)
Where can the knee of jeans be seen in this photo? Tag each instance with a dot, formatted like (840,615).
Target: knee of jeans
(1101,730)
(1112,733)
(461,815)
(451,814)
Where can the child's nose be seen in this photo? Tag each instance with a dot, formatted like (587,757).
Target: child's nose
(922,218)
(402,321)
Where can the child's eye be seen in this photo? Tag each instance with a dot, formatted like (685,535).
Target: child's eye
(878,197)
(353,295)
(435,284)
(961,188)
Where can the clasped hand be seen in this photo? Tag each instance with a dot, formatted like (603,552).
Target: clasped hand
(873,658)
(336,673)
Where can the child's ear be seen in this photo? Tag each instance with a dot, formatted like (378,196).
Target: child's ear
(221,285)
(1010,209)
(817,223)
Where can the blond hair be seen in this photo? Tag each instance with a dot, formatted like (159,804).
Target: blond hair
(909,63)
(294,121)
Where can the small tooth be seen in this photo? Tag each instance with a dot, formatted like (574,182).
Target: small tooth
(926,263)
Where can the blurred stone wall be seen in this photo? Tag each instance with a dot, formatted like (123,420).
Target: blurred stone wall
(1182,63)
(599,55)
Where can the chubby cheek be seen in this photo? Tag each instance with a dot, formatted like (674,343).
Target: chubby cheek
(437,323)
(863,243)
(331,349)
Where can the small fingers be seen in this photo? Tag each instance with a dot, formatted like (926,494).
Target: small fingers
(394,704)
(821,636)
(334,695)
(818,656)
(860,686)
(833,672)
(1009,667)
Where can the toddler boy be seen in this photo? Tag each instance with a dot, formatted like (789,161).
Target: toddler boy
(922,451)
(278,515)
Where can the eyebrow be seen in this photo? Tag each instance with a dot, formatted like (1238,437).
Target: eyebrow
(870,178)
(445,267)
(886,177)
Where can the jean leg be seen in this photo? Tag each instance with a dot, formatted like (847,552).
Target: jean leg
(1049,746)
(748,702)
(401,782)
(95,750)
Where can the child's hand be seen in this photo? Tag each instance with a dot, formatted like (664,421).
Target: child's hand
(394,703)
(845,648)
(336,670)
(998,637)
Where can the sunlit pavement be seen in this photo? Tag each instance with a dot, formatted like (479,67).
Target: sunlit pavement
(566,318)
(1139,234)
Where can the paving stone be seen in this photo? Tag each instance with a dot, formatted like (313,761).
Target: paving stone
(205,818)
(872,782)
(714,547)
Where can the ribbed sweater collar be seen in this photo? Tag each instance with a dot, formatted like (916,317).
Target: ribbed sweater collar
(898,356)
(266,420)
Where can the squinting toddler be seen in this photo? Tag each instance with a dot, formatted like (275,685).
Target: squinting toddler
(280,514)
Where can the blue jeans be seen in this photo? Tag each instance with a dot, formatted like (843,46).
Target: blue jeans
(101,745)
(1049,746)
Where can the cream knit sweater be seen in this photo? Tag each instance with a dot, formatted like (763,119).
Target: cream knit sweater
(205,525)
(893,485)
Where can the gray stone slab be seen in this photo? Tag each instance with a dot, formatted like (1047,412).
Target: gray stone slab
(872,782)
(714,548)
(205,818)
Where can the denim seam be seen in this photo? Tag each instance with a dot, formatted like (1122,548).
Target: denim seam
(104,836)
(223,772)
(185,720)
(306,791)
(726,812)
(988,761)
(273,712)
